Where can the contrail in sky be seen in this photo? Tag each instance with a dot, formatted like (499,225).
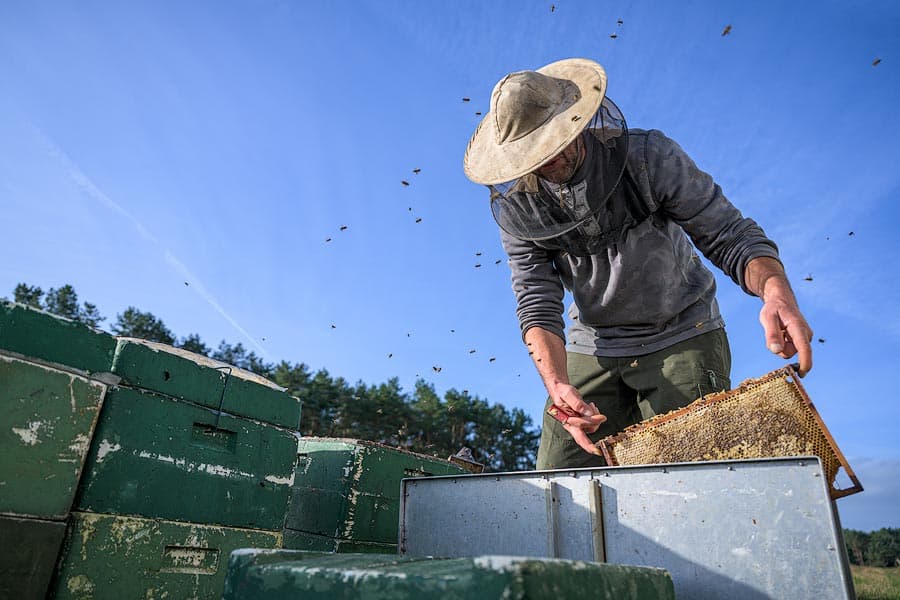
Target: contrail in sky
(88,187)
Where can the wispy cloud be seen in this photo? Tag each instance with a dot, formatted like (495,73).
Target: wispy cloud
(87,186)
(198,287)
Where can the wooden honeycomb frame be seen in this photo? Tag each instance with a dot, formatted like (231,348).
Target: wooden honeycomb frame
(767,417)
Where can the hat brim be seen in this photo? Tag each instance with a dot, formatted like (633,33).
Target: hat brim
(488,162)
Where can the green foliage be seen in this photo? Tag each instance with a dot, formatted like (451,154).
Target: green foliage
(424,422)
(193,343)
(502,439)
(143,325)
(238,356)
(30,295)
(876,549)
(884,548)
(856,543)
(61,301)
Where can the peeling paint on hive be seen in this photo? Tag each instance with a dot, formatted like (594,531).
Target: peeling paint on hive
(104,448)
(80,586)
(280,480)
(29,433)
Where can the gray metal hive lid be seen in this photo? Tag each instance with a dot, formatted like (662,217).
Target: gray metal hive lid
(742,530)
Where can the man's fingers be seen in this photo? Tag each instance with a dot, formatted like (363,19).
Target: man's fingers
(589,424)
(573,400)
(774,334)
(583,440)
(801,336)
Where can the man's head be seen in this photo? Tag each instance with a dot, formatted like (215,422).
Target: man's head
(562,167)
(542,126)
(534,117)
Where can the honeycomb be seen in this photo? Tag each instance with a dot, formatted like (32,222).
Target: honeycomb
(767,417)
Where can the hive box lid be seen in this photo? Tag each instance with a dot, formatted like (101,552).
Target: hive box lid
(199,379)
(254,575)
(38,334)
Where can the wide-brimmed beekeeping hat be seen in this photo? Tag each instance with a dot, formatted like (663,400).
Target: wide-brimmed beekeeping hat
(532,117)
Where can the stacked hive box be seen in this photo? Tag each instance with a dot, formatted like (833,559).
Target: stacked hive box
(49,413)
(346,494)
(264,575)
(188,459)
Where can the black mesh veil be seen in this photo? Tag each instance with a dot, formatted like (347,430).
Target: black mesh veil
(531,208)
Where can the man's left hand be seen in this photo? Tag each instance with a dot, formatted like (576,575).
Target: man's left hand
(787,332)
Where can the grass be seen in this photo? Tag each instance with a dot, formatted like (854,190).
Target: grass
(876,583)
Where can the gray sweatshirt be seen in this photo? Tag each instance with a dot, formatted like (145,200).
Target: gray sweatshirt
(640,287)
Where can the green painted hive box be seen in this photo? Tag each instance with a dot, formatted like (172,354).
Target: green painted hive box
(301,540)
(153,456)
(38,334)
(193,377)
(286,575)
(349,490)
(106,556)
(28,555)
(49,417)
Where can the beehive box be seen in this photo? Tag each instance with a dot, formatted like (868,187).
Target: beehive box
(286,575)
(735,530)
(301,540)
(153,456)
(49,416)
(107,556)
(193,377)
(348,490)
(34,333)
(27,556)
(767,417)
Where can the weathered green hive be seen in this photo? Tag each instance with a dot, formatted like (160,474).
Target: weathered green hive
(287,575)
(38,334)
(156,457)
(27,556)
(346,494)
(49,416)
(204,381)
(106,556)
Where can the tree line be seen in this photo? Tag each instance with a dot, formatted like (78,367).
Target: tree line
(421,421)
(876,549)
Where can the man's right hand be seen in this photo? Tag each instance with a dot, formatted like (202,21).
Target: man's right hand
(576,416)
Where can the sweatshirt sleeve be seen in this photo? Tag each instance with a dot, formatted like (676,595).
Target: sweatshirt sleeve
(537,286)
(692,199)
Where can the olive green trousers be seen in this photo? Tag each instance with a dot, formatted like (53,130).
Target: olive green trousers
(630,389)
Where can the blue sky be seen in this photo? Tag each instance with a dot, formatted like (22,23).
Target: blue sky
(148,144)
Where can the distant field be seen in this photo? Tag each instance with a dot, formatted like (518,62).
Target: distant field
(874,583)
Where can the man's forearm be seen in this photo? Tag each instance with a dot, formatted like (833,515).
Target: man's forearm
(548,351)
(763,272)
